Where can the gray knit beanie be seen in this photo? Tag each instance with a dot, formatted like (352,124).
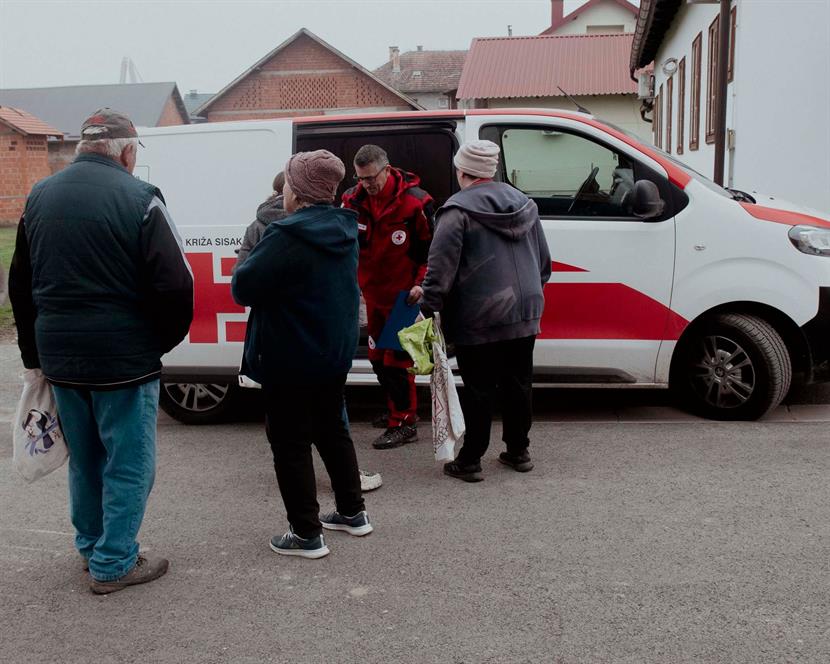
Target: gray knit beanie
(314,176)
(478,158)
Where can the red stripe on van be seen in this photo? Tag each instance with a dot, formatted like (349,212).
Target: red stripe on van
(606,311)
(784,216)
(357,117)
(564,267)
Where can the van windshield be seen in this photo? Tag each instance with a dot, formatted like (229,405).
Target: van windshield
(706,182)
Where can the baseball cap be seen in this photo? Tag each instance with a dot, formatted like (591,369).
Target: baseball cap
(107,123)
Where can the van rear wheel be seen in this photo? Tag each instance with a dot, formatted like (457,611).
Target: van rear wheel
(732,367)
(196,403)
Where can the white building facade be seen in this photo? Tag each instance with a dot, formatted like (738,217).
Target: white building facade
(778,93)
(592,18)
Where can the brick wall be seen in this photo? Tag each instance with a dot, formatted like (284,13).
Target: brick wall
(171,114)
(304,78)
(23,161)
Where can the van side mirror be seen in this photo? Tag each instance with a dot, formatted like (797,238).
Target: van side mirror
(645,200)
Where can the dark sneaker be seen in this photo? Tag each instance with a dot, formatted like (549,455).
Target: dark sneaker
(396,436)
(146,569)
(381,421)
(518,462)
(468,473)
(370,481)
(357,525)
(294,545)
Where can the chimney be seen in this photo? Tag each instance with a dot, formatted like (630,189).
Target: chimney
(420,48)
(395,59)
(557,12)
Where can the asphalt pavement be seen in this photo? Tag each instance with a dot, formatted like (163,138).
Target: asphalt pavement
(636,541)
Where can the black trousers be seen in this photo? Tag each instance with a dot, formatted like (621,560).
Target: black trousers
(296,417)
(496,373)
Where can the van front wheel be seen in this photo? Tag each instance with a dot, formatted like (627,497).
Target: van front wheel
(196,403)
(732,367)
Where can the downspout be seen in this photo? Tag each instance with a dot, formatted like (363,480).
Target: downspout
(647,105)
(720,109)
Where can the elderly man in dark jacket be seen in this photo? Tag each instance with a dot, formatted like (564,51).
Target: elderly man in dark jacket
(100,290)
(488,264)
(301,284)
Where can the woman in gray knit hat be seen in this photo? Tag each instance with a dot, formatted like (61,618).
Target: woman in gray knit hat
(301,284)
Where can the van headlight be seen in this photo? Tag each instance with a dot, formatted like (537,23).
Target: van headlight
(811,240)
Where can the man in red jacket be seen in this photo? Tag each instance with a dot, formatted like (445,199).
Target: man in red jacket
(394,232)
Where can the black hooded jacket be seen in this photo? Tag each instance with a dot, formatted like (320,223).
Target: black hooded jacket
(488,263)
(300,281)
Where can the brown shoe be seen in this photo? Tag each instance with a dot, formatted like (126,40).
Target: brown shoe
(146,569)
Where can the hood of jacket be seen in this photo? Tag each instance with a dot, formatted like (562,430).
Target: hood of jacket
(271,210)
(496,206)
(324,227)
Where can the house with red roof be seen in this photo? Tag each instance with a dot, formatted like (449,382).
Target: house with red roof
(24,158)
(304,75)
(427,77)
(580,60)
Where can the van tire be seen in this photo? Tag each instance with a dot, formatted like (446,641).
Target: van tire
(732,367)
(197,403)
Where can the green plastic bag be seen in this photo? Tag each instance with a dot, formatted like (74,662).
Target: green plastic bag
(417,341)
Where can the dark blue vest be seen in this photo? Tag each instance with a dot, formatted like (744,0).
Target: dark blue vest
(84,231)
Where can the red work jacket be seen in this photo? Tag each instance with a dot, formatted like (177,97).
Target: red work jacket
(394,245)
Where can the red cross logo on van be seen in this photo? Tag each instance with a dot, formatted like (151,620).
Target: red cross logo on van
(211,299)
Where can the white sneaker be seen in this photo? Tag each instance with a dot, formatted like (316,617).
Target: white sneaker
(370,481)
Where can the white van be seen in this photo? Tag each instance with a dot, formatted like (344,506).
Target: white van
(660,277)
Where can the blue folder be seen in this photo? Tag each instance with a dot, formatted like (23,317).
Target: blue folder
(402,315)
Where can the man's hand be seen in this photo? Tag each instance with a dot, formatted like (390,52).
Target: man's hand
(415,294)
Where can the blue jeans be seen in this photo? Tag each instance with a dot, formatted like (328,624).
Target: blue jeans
(111,437)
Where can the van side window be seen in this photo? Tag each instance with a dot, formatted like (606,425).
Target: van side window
(566,174)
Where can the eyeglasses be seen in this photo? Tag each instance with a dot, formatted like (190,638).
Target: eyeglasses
(368,178)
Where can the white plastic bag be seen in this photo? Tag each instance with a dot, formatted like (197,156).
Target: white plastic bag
(447,417)
(39,446)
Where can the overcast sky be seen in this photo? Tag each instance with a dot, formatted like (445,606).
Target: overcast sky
(204,44)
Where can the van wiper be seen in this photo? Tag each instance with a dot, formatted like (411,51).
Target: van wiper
(741,196)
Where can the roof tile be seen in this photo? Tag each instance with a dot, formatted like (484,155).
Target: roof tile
(440,71)
(26,123)
(503,67)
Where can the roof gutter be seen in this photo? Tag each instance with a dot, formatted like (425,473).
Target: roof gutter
(720,110)
(653,21)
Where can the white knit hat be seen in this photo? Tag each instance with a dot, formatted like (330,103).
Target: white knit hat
(478,158)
